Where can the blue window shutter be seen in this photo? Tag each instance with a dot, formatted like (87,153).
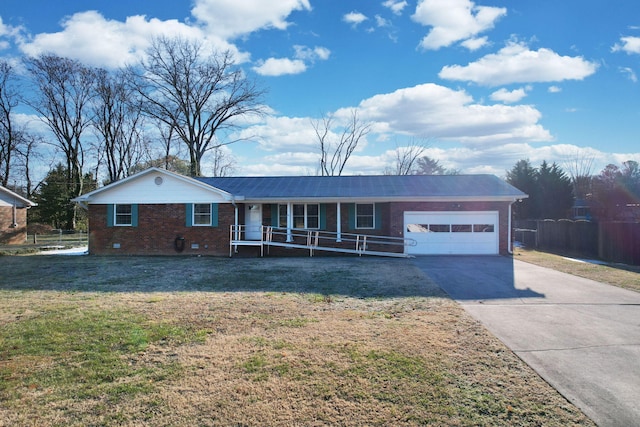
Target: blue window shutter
(378,215)
(110,211)
(189,213)
(134,215)
(352,216)
(275,215)
(214,214)
(323,216)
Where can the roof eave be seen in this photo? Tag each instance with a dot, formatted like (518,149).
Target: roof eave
(509,198)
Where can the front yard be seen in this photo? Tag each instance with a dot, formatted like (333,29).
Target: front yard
(277,341)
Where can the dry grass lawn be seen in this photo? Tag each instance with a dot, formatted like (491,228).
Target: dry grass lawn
(247,342)
(613,274)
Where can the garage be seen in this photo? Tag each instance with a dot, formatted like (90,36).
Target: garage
(446,233)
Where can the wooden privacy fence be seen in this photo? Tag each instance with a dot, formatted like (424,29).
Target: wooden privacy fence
(620,242)
(610,241)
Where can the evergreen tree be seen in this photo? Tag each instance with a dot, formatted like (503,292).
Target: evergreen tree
(550,190)
(523,177)
(554,192)
(54,199)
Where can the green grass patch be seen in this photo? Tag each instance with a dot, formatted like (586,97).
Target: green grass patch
(74,353)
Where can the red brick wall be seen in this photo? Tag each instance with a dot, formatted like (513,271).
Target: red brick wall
(158,227)
(10,235)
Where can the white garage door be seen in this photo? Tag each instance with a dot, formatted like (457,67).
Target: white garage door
(460,233)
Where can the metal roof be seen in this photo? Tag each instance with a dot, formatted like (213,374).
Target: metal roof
(391,187)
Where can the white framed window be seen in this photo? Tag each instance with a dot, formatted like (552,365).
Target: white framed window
(202,214)
(282,216)
(303,215)
(123,215)
(365,215)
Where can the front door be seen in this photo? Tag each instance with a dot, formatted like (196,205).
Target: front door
(253,222)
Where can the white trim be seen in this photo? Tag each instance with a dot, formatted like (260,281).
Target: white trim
(193,215)
(194,182)
(115,215)
(28,203)
(373,216)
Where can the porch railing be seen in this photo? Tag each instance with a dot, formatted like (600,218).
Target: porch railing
(314,240)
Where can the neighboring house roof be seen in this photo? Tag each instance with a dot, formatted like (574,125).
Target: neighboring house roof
(377,187)
(9,198)
(312,188)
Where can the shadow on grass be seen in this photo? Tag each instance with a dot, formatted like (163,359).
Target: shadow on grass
(474,277)
(349,276)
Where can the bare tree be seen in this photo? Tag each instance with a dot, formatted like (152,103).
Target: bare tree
(10,135)
(64,89)
(119,123)
(27,151)
(224,164)
(167,136)
(337,147)
(579,166)
(198,95)
(406,158)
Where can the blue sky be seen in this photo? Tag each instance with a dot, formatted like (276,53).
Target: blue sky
(482,83)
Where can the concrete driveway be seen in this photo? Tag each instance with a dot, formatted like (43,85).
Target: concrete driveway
(581,336)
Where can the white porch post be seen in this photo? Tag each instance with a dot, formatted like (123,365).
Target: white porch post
(235,220)
(338,223)
(289,221)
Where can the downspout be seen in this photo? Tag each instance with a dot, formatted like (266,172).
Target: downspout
(339,223)
(14,211)
(289,221)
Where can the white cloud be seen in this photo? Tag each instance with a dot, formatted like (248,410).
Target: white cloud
(454,20)
(282,134)
(628,44)
(430,110)
(396,6)
(381,22)
(8,32)
(554,89)
(280,66)
(89,37)
(516,63)
(308,54)
(354,18)
(476,43)
(228,19)
(509,97)
(283,66)
(630,73)
(95,40)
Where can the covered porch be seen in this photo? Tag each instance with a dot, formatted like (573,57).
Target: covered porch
(353,228)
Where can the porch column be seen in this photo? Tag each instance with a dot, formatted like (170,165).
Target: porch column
(235,220)
(289,221)
(338,223)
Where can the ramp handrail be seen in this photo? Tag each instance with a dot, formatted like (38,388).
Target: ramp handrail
(313,240)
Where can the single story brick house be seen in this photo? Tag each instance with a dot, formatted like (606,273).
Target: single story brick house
(156,212)
(13,217)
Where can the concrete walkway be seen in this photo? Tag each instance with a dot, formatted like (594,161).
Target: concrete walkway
(581,336)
